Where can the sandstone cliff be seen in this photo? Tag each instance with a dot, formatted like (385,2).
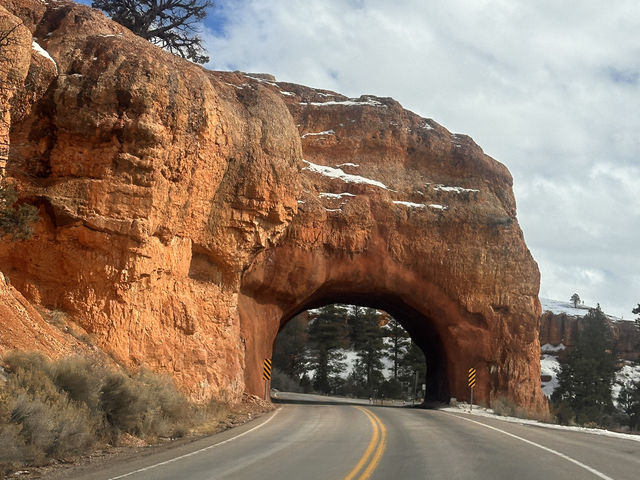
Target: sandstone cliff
(560,328)
(188,214)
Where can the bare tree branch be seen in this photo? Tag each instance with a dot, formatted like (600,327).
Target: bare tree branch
(170,24)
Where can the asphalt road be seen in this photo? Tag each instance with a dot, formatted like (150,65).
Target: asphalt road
(312,437)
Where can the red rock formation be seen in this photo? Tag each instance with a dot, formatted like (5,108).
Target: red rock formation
(562,328)
(182,227)
(23,328)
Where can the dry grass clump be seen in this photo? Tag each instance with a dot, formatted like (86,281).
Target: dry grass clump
(145,405)
(59,409)
(508,408)
(39,420)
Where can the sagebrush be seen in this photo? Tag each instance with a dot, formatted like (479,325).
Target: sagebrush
(63,408)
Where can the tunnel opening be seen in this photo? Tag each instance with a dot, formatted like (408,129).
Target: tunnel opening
(368,330)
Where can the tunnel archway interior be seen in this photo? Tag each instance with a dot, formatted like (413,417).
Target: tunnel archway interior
(419,327)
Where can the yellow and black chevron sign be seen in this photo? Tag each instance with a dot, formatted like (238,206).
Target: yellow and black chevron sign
(266,371)
(472,377)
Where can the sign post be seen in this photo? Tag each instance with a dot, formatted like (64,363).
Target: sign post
(471,383)
(266,375)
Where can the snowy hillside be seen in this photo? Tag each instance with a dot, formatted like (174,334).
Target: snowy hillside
(558,307)
(550,366)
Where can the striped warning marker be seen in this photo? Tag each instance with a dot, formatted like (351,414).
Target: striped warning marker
(266,371)
(472,377)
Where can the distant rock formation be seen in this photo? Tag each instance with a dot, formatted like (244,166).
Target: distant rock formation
(187,214)
(563,328)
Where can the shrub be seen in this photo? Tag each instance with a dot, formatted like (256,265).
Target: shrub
(12,448)
(121,403)
(39,419)
(149,405)
(506,407)
(80,379)
(63,408)
(168,410)
(282,381)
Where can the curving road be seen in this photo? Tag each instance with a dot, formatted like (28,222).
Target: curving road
(313,437)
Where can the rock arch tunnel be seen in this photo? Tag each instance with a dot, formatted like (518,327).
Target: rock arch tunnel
(184,222)
(452,338)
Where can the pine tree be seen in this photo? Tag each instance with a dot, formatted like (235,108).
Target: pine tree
(575,299)
(413,365)
(629,402)
(584,381)
(398,341)
(327,334)
(369,346)
(289,353)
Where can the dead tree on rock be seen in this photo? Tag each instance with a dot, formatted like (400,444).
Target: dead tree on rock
(170,24)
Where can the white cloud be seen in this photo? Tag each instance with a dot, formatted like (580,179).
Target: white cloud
(551,89)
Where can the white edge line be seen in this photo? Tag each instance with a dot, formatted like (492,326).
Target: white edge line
(175,459)
(542,447)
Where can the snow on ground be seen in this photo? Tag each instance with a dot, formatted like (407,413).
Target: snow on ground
(549,366)
(558,307)
(548,348)
(347,164)
(338,173)
(628,374)
(327,132)
(36,46)
(487,412)
(350,360)
(438,207)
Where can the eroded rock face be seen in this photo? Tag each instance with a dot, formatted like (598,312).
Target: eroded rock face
(556,329)
(187,215)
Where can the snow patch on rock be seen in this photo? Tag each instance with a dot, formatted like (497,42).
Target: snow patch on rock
(327,132)
(447,188)
(410,204)
(38,49)
(338,173)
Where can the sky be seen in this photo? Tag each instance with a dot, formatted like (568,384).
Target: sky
(550,89)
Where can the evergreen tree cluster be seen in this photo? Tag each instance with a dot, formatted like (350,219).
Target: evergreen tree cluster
(585,381)
(311,351)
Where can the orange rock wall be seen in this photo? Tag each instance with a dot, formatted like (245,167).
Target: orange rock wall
(562,328)
(188,214)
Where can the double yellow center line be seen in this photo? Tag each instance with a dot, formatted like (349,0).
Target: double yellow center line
(374,451)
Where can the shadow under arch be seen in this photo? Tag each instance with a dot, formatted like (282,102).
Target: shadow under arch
(419,327)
